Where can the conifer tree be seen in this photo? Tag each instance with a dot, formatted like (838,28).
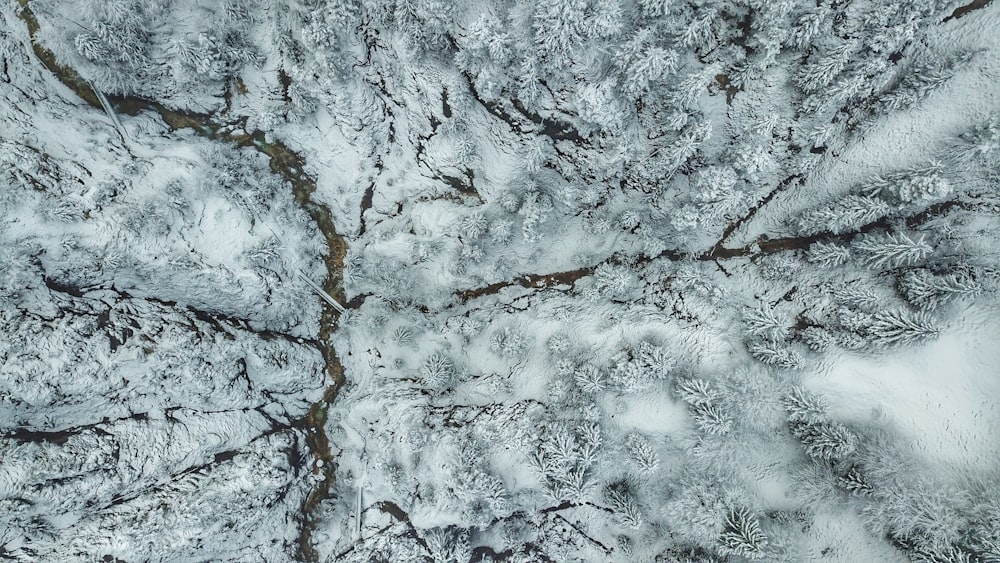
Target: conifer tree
(828,254)
(845,215)
(902,327)
(892,250)
(925,290)
(742,535)
(828,441)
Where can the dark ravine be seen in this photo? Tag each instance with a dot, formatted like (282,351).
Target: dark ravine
(759,248)
(291,166)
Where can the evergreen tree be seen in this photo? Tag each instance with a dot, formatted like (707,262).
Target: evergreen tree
(845,215)
(559,28)
(828,254)
(881,250)
(642,454)
(981,145)
(902,327)
(827,441)
(438,371)
(856,482)
(774,354)
(761,322)
(712,419)
(614,281)
(695,391)
(622,502)
(824,65)
(926,290)
(804,407)
(742,535)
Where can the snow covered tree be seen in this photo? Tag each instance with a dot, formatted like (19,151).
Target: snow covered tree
(705,405)
(642,454)
(892,250)
(804,407)
(742,535)
(590,378)
(614,281)
(696,391)
(845,215)
(622,502)
(902,327)
(637,367)
(926,290)
(761,322)
(827,441)
(855,482)
(858,296)
(448,545)
(775,354)
(642,63)
(921,80)
(980,145)
(808,26)
(712,419)
(559,28)
(437,370)
(509,342)
(563,459)
(919,186)
(818,339)
(824,65)
(828,254)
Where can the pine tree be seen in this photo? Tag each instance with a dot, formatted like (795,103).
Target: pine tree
(981,145)
(695,391)
(845,215)
(642,454)
(474,225)
(742,535)
(712,419)
(856,482)
(828,441)
(925,290)
(623,505)
(614,280)
(818,339)
(687,144)
(824,66)
(857,296)
(590,379)
(509,343)
(892,249)
(921,81)
(762,322)
(807,27)
(642,63)
(804,407)
(438,371)
(828,254)
(773,354)
(902,327)
(923,189)
(558,27)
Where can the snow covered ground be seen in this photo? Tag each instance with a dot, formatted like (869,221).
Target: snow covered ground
(941,397)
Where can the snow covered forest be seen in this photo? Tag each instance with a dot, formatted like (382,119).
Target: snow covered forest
(500,281)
